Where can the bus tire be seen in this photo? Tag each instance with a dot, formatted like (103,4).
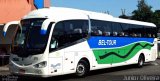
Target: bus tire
(82,68)
(141,60)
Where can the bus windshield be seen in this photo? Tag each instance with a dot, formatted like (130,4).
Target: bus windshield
(32,39)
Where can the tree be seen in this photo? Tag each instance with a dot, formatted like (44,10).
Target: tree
(156,17)
(143,13)
(124,17)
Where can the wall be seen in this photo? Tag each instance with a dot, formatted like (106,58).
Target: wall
(12,10)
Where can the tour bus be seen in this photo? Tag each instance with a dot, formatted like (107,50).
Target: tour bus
(7,32)
(56,41)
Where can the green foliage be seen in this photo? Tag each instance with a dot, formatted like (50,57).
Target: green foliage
(143,13)
(156,18)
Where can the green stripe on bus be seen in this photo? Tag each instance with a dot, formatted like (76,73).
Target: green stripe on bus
(117,55)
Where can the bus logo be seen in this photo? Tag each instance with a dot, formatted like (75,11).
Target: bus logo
(56,66)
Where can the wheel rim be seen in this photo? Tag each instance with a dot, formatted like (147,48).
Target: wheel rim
(80,69)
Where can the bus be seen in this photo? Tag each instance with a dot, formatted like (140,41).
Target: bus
(7,32)
(56,41)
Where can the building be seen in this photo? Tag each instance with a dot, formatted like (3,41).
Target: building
(12,10)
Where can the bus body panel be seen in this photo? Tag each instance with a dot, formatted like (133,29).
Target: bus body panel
(73,56)
(155,50)
(55,62)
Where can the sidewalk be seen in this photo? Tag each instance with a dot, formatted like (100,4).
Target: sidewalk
(4,70)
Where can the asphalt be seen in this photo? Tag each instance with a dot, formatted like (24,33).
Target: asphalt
(110,74)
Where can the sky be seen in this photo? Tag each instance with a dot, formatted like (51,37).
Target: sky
(112,6)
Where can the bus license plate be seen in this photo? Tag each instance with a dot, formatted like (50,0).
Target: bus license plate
(21,71)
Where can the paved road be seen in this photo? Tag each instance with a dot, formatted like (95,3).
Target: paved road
(150,72)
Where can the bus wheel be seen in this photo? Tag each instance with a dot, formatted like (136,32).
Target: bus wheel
(82,68)
(141,61)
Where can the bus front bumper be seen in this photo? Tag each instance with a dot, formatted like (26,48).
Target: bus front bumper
(28,71)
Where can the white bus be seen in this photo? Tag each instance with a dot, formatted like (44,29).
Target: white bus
(7,32)
(57,41)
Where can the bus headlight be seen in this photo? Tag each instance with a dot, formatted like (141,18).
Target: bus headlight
(41,64)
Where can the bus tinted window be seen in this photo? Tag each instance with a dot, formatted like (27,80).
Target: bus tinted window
(136,30)
(117,29)
(100,28)
(126,29)
(108,28)
(58,34)
(70,31)
(76,30)
(132,30)
(151,32)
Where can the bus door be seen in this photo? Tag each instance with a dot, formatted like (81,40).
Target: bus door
(55,56)
(55,61)
(69,61)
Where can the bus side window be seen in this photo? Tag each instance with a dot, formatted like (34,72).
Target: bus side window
(85,29)
(107,29)
(117,29)
(100,28)
(58,38)
(94,31)
(76,30)
(151,32)
(99,32)
(126,29)
(139,35)
(106,33)
(115,33)
(121,34)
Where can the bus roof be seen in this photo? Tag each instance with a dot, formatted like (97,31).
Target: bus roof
(61,13)
(134,22)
